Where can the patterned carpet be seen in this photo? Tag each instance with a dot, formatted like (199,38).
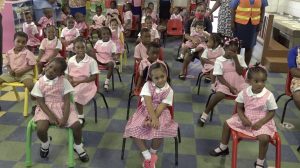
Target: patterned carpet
(103,140)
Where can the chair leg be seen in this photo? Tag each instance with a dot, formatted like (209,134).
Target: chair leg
(176,151)
(278,152)
(284,109)
(28,161)
(209,97)
(123,148)
(26,97)
(16,93)
(179,134)
(235,142)
(128,104)
(113,81)
(121,62)
(178,51)
(71,162)
(120,79)
(132,78)
(199,84)
(277,99)
(198,78)
(95,109)
(105,102)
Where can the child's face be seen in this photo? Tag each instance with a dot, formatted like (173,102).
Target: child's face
(105,35)
(99,11)
(49,13)
(79,17)
(151,6)
(153,54)
(210,42)
(148,12)
(70,23)
(199,28)
(53,70)
(146,38)
(159,77)
(258,82)
(51,33)
(28,18)
(112,5)
(148,23)
(79,49)
(229,50)
(114,25)
(176,11)
(20,43)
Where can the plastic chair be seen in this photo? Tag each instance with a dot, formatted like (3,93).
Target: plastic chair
(238,136)
(101,68)
(26,91)
(174,27)
(287,93)
(31,127)
(176,138)
(95,102)
(198,83)
(135,24)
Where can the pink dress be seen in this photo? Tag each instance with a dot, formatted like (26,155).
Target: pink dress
(140,51)
(70,35)
(178,17)
(127,16)
(254,111)
(81,27)
(105,51)
(44,21)
(167,126)
(212,55)
(31,30)
(49,46)
(231,76)
(112,11)
(84,92)
(54,100)
(201,44)
(98,21)
(115,37)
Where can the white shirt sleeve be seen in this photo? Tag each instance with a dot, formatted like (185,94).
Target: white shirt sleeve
(59,45)
(242,61)
(113,48)
(204,54)
(156,34)
(139,35)
(67,87)
(218,68)
(35,30)
(77,33)
(143,19)
(63,32)
(36,92)
(169,99)
(42,46)
(271,103)
(94,67)
(240,98)
(145,90)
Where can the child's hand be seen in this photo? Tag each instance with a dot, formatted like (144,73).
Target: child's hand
(257,125)
(53,120)
(61,122)
(11,72)
(246,122)
(18,73)
(233,90)
(155,122)
(75,83)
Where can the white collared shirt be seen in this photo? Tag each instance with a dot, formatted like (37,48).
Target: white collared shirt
(271,103)
(93,64)
(34,30)
(38,93)
(146,92)
(218,67)
(46,42)
(205,52)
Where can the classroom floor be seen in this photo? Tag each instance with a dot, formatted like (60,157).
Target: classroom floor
(103,140)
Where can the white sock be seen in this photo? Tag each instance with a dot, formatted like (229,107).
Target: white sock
(153,151)
(79,148)
(146,154)
(181,55)
(106,81)
(204,117)
(222,146)
(45,145)
(80,115)
(259,162)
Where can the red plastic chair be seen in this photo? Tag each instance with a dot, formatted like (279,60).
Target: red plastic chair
(176,138)
(174,27)
(288,92)
(237,137)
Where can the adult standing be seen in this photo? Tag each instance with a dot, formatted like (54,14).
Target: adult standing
(247,17)
(40,5)
(199,15)
(164,9)
(2,3)
(77,6)
(224,17)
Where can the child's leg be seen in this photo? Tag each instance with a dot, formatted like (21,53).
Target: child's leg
(296,97)
(155,144)
(79,108)
(78,146)
(216,98)
(263,148)
(110,67)
(222,149)
(142,147)
(212,77)
(28,82)
(40,66)
(186,60)
(42,130)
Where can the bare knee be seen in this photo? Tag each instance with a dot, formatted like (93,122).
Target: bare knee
(110,65)
(296,97)
(76,127)
(263,139)
(28,84)
(42,127)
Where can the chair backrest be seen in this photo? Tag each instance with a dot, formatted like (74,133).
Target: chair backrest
(175,27)
(107,3)
(289,78)
(134,22)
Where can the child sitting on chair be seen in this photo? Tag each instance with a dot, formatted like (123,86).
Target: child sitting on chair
(140,50)
(47,19)
(176,14)
(32,32)
(153,30)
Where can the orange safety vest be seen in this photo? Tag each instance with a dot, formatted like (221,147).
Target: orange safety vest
(246,11)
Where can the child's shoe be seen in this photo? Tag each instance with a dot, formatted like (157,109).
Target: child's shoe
(106,86)
(257,165)
(33,110)
(154,158)
(44,152)
(147,164)
(222,153)
(83,156)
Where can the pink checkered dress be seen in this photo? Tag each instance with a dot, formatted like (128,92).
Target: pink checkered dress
(212,55)
(115,37)
(254,110)
(53,95)
(201,44)
(167,126)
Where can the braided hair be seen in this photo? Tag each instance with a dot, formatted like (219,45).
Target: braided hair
(256,69)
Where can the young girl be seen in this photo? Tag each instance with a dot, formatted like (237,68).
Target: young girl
(229,72)
(82,72)
(197,31)
(47,19)
(127,17)
(106,53)
(80,24)
(256,107)
(65,12)
(294,64)
(69,34)
(176,14)
(98,19)
(210,54)
(154,32)
(113,8)
(153,53)
(148,12)
(152,120)
(49,48)
(32,32)
(117,30)
(140,50)
(153,13)
(53,93)
(19,62)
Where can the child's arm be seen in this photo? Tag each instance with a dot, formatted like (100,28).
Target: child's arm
(10,71)
(232,89)
(160,108)
(206,61)
(52,118)
(139,82)
(149,106)
(86,80)
(270,114)
(239,69)
(66,113)
(241,113)
(19,73)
